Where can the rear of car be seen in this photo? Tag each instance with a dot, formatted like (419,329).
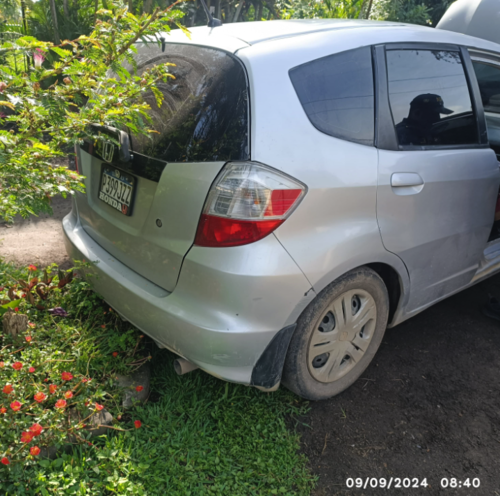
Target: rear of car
(155,223)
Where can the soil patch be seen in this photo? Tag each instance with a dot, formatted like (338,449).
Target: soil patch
(36,240)
(427,407)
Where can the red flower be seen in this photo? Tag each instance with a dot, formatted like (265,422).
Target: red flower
(103,326)
(139,388)
(31,369)
(115,353)
(35,450)
(36,429)
(2,364)
(137,423)
(17,365)
(46,379)
(16,406)
(16,309)
(60,403)
(39,397)
(98,407)
(32,325)
(32,267)
(3,409)
(66,376)
(28,338)
(84,380)
(52,388)
(7,389)
(23,295)
(5,461)
(26,437)
(68,394)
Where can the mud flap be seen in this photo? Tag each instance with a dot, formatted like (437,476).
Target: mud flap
(266,374)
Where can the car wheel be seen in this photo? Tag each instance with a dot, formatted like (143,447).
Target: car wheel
(337,335)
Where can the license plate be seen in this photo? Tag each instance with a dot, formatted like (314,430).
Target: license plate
(117,189)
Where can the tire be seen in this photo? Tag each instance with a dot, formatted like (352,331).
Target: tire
(337,336)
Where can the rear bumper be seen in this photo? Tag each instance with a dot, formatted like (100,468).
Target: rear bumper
(227,307)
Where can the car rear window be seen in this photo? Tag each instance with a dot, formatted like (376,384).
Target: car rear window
(204,116)
(337,94)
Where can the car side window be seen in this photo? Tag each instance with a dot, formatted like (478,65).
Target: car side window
(430,99)
(337,94)
(488,78)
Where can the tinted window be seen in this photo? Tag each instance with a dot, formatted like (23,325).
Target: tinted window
(429,98)
(336,93)
(204,114)
(488,77)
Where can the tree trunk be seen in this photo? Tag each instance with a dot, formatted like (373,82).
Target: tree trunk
(147,6)
(65,9)
(258,12)
(238,11)
(53,10)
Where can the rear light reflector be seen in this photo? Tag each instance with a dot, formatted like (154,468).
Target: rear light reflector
(247,202)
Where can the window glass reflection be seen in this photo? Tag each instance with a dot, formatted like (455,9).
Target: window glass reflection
(429,98)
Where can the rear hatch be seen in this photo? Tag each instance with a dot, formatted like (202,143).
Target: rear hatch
(145,211)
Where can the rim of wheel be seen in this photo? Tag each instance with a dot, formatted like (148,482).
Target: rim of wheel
(342,335)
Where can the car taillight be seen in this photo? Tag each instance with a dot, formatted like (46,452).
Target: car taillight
(76,159)
(246,203)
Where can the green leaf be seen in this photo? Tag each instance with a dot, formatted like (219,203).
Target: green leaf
(11,304)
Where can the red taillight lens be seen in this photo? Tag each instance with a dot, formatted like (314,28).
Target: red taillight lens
(221,231)
(247,202)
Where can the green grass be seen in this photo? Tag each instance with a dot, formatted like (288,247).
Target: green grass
(199,436)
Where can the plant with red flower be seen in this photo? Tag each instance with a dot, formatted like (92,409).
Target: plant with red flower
(137,424)
(139,388)
(17,365)
(26,437)
(66,376)
(60,404)
(31,369)
(36,429)
(103,326)
(16,309)
(32,268)
(115,354)
(28,338)
(32,325)
(16,406)
(68,394)
(99,407)
(5,461)
(2,364)
(35,450)
(7,389)
(3,410)
(39,397)
(52,388)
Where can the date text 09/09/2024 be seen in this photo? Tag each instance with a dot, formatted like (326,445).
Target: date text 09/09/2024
(409,483)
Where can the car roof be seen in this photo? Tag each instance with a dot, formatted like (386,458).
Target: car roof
(234,36)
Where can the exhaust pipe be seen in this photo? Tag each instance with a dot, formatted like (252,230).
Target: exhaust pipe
(183,366)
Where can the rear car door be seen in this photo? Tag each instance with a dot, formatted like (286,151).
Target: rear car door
(438,179)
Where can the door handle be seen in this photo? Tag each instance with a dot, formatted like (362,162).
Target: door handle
(406,183)
(406,180)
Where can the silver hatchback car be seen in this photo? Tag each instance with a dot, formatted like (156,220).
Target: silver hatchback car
(310,183)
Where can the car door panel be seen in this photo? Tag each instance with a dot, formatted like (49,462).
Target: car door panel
(437,178)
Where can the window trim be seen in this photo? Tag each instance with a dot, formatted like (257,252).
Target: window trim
(386,138)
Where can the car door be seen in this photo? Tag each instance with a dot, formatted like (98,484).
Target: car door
(438,179)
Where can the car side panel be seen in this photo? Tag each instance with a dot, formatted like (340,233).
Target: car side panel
(335,228)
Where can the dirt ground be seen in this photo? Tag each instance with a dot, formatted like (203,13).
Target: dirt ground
(427,407)
(36,240)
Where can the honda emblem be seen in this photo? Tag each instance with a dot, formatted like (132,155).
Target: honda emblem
(108,150)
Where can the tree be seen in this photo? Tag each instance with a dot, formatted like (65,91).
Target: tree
(427,12)
(45,103)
